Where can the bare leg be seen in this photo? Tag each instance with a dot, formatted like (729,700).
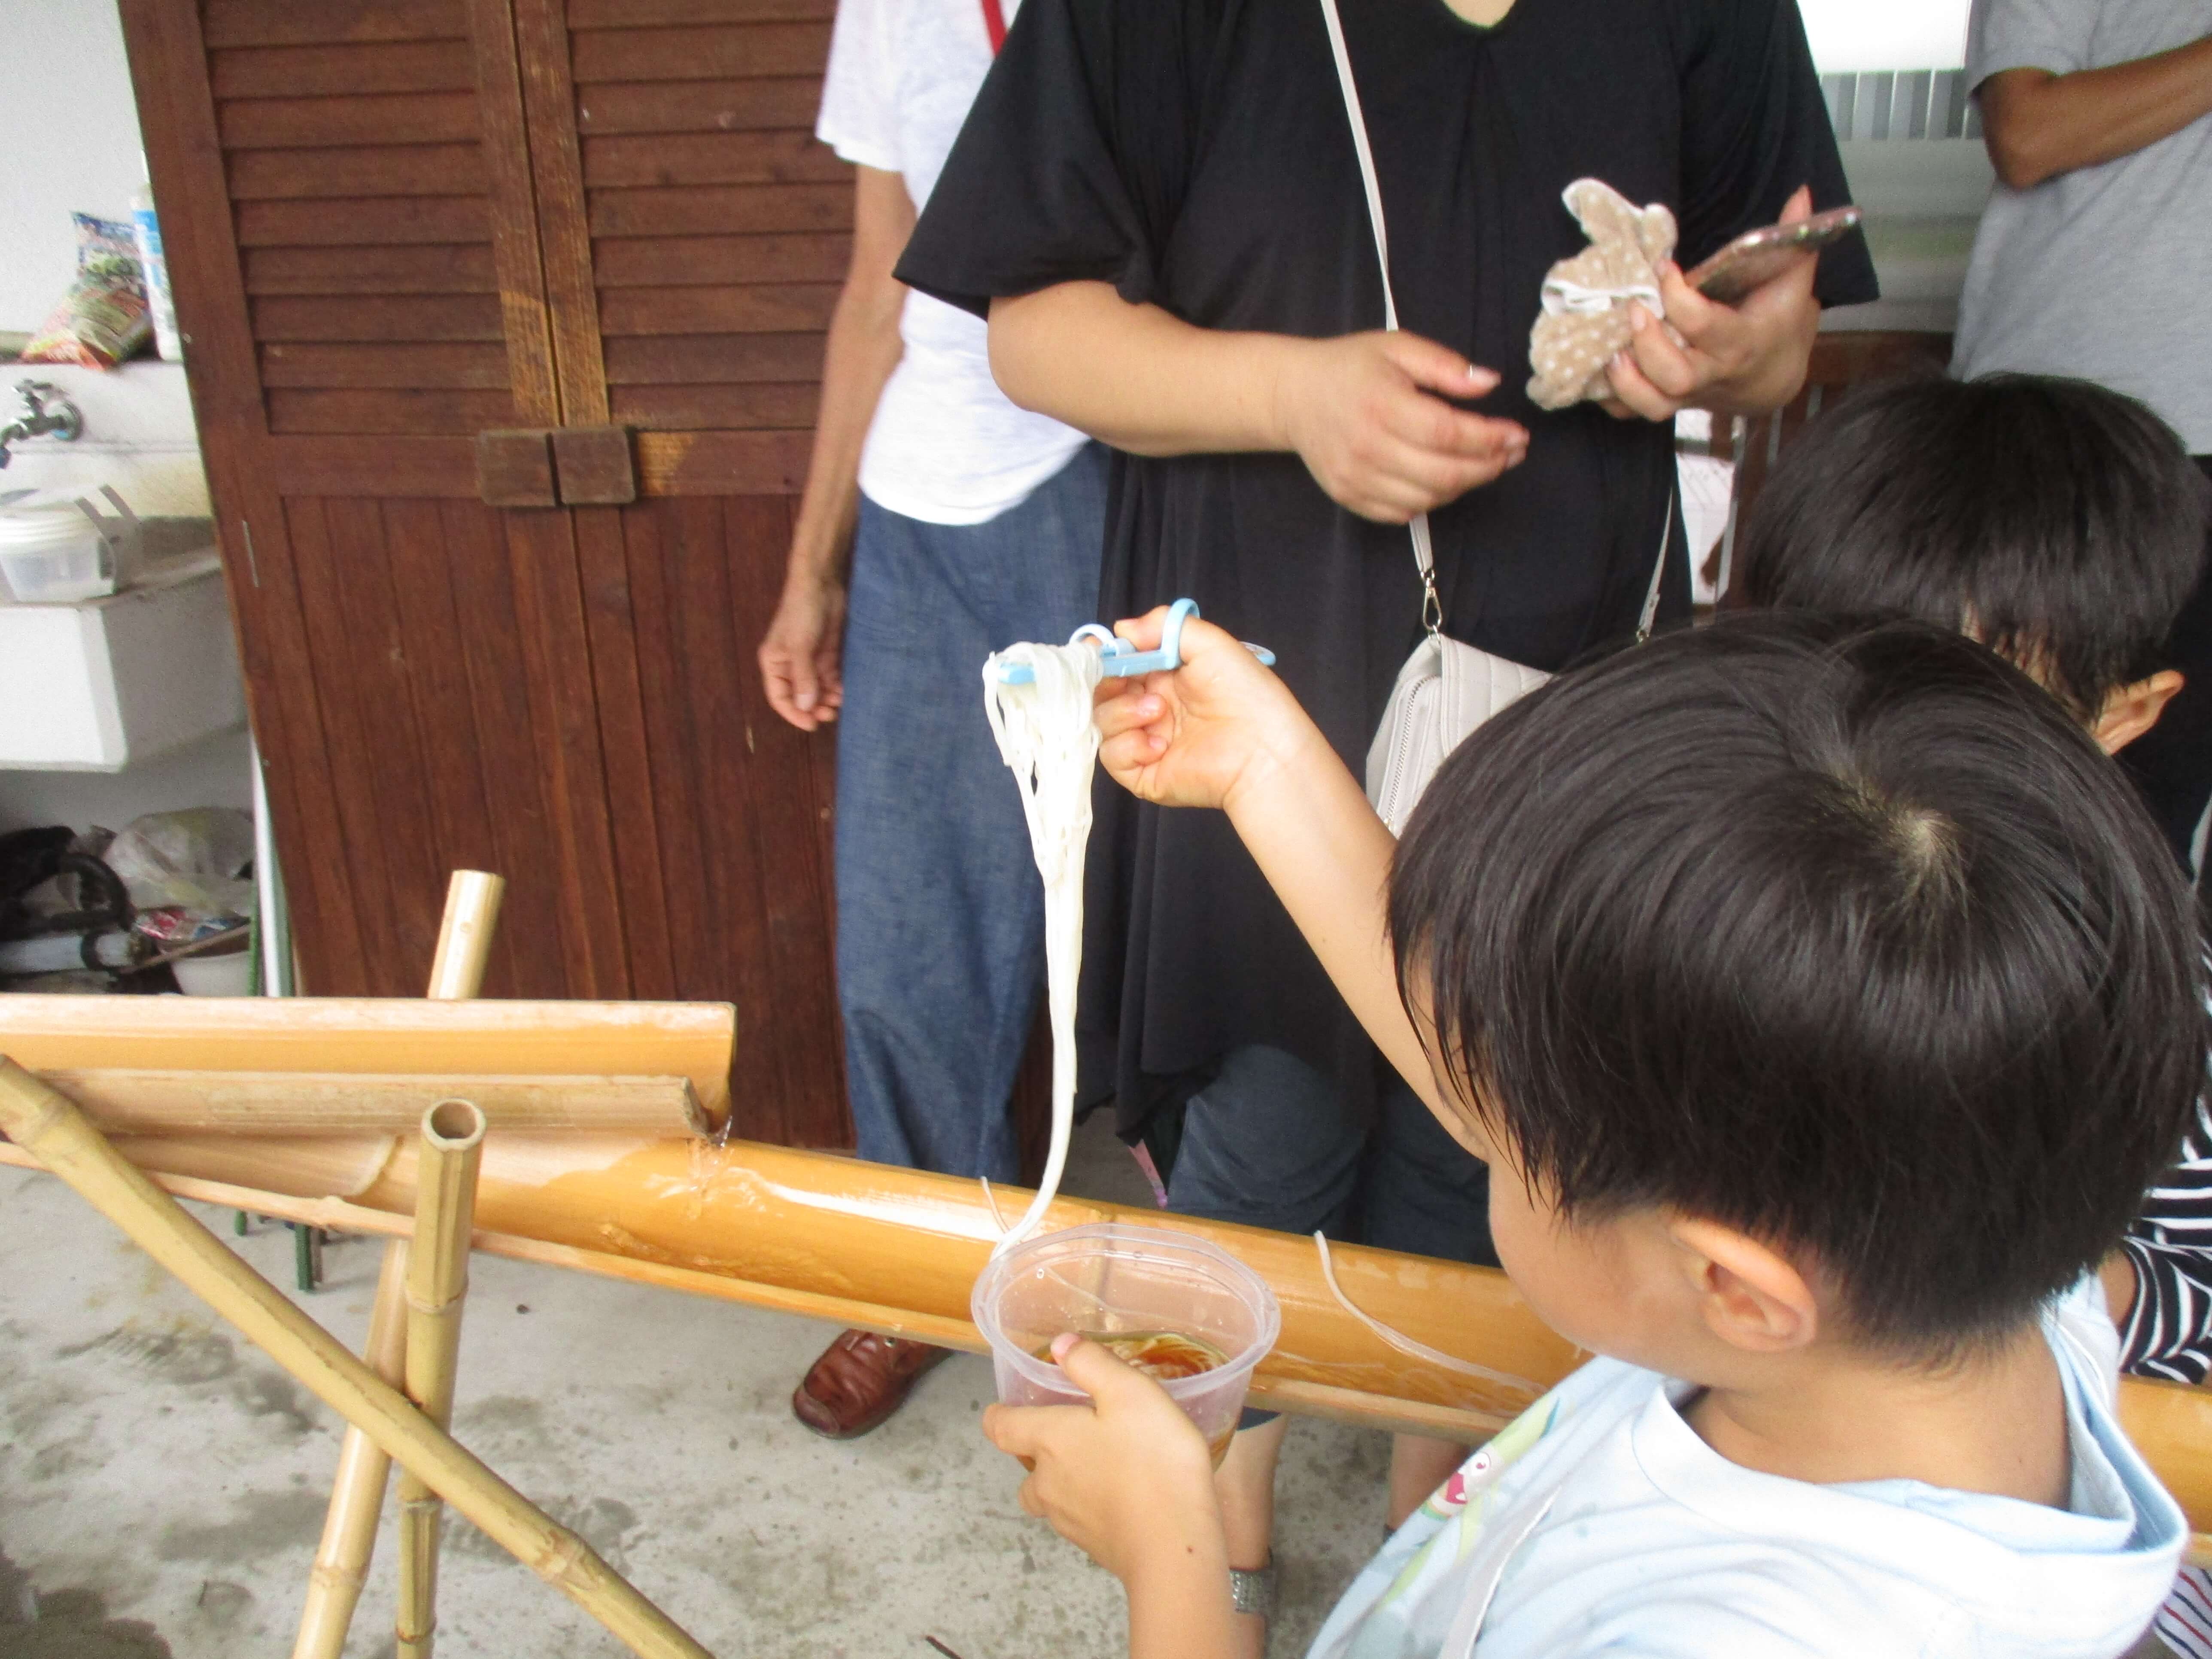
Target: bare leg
(1419,1466)
(1246,1484)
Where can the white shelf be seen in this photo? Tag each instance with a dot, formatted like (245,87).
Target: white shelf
(94,687)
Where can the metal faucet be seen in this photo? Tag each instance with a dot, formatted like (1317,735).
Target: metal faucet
(66,424)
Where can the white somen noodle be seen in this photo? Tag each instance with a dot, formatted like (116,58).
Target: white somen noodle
(1049,739)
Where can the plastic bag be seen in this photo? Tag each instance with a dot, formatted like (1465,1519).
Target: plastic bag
(104,316)
(195,861)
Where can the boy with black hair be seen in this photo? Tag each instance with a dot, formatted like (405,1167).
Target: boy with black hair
(1827,1003)
(2060,523)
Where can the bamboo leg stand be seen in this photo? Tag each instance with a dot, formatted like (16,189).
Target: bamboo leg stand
(341,1568)
(44,1124)
(334,1583)
(437,1283)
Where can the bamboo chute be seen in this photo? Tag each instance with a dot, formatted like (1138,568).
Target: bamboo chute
(437,1288)
(44,1124)
(897,1250)
(318,1038)
(125,1102)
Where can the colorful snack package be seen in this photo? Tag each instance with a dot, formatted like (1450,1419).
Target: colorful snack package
(104,318)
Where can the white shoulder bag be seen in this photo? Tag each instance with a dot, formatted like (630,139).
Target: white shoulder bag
(1447,687)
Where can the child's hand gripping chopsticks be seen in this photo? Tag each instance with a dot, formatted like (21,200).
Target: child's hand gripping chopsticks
(1197,737)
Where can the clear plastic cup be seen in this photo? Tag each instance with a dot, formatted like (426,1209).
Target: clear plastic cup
(1108,1279)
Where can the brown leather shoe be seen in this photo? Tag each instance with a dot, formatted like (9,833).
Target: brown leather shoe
(861,1379)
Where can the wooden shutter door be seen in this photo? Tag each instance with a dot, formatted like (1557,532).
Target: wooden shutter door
(377,218)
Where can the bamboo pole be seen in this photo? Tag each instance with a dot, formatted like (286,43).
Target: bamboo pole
(122,1101)
(457,971)
(46,1125)
(349,1530)
(437,1287)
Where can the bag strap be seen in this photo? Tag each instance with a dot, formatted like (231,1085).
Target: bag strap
(1425,558)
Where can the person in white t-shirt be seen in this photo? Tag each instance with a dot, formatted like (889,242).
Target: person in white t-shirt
(940,524)
(1824,1002)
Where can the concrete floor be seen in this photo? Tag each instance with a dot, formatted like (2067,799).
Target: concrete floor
(162,1485)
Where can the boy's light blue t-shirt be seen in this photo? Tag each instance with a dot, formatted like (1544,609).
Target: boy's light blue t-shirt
(1599,1523)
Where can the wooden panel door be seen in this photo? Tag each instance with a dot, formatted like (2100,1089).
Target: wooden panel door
(380,220)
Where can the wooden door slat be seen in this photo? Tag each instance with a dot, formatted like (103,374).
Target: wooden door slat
(290,23)
(793,157)
(458,366)
(453,743)
(785,815)
(712,408)
(549,96)
(517,251)
(722,463)
(420,268)
(418,117)
(410,170)
(391,466)
(411,317)
(617,106)
(714,359)
(611,624)
(373,221)
(698,943)
(556,656)
(533,932)
(694,54)
(712,209)
(708,261)
(411,411)
(348,743)
(646,13)
(765,308)
(308,71)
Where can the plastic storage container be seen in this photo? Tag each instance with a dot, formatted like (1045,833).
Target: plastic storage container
(53,552)
(1109,1279)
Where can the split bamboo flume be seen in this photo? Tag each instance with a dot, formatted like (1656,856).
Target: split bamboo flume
(898,1250)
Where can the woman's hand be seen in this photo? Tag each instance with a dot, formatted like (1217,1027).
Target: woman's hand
(804,643)
(1367,413)
(1744,359)
(1194,738)
(1126,1479)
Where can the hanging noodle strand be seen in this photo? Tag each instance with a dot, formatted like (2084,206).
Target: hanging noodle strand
(1049,739)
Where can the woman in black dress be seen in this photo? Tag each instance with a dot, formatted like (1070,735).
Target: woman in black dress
(1158,204)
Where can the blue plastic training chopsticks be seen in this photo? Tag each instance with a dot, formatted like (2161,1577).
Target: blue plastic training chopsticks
(1123,658)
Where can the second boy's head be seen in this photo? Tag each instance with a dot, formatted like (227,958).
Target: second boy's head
(1808,983)
(2059,523)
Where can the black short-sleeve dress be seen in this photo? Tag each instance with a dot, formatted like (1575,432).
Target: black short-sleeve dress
(1195,154)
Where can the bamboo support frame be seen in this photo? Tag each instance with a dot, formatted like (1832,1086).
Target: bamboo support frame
(457,971)
(130,1102)
(437,1290)
(341,1568)
(44,1124)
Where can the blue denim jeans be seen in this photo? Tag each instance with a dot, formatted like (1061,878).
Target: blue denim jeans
(940,911)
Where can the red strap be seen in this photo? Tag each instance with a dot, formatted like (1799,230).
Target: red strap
(994,25)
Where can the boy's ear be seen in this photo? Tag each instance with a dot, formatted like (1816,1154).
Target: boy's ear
(1751,1297)
(2134,709)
